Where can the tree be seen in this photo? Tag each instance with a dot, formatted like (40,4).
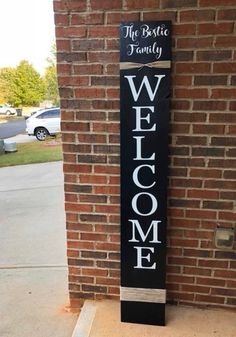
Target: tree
(50,78)
(29,88)
(21,85)
(7,76)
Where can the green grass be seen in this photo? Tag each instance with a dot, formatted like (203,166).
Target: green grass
(34,152)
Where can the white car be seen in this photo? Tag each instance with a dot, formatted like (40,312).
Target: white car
(7,110)
(44,123)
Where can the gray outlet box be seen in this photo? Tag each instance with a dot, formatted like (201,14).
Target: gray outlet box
(224,238)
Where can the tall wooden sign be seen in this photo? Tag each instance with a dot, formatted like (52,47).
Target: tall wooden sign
(145,53)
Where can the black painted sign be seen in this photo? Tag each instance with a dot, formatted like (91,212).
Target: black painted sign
(145,55)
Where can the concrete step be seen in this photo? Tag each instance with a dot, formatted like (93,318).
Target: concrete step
(102,319)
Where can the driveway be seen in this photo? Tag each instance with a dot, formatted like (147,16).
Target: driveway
(33,272)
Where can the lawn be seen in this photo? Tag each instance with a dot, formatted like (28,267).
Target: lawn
(33,152)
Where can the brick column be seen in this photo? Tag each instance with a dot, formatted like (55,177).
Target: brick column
(202,142)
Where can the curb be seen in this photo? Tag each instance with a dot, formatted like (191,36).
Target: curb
(85,320)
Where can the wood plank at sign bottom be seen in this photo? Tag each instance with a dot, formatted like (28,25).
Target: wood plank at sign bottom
(143,313)
(143,295)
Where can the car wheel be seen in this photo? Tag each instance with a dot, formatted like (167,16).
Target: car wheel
(41,133)
(8,113)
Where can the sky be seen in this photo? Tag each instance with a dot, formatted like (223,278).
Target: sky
(27,32)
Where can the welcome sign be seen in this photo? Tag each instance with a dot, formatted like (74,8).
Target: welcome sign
(145,54)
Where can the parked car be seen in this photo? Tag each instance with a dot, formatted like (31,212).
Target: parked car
(7,110)
(44,123)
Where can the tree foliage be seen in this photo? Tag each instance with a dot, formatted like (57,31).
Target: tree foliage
(6,84)
(50,78)
(22,86)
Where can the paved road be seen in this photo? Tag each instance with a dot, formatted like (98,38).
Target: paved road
(12,128)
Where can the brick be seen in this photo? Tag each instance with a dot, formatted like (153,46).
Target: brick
(223,141)
(218,55)
(103,57)
(195,289)
(196,140)
(203,194)
(85,44)
(197,15)
(192,68)
(213,264)
(222,184)
(67,32)
(222,163)
(215,29)
(116,18)
(182,55)
(210,80)
(222,118)
(159,15)
(197,271)
(189,117)
(178,4)
(193,93)
(103,31)
(71,57)
(226,15)
(105,80)
(213,3)
(209,105)
(217,205)
(197,253)
(91,116)
(224,67)
(84,18)
(106,4)
(208,129)
(225,273)
(210,281)
(184,203)
(89,92)
(209,299)
(63,45)
(184,29)
(93,218)
(136,4)
(88,69)
(61,19)
(91,159)
(73,81)
(183,80)
(70,5)
(228,195)
(202,214)
(223,93)
(225,41)
(229,174)
(231,216)
(194,42)
(225,255)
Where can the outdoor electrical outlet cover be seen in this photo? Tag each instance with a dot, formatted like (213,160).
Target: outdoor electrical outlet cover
(224,238)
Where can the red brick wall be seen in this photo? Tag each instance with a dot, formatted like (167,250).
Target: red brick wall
(202,178)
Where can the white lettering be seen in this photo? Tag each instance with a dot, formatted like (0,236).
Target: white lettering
(136,179)
(153,227)
(145,82)
(139,149)
(154,203)
(139,118)
(141,257)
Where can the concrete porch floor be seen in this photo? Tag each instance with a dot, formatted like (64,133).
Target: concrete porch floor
(102,319)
